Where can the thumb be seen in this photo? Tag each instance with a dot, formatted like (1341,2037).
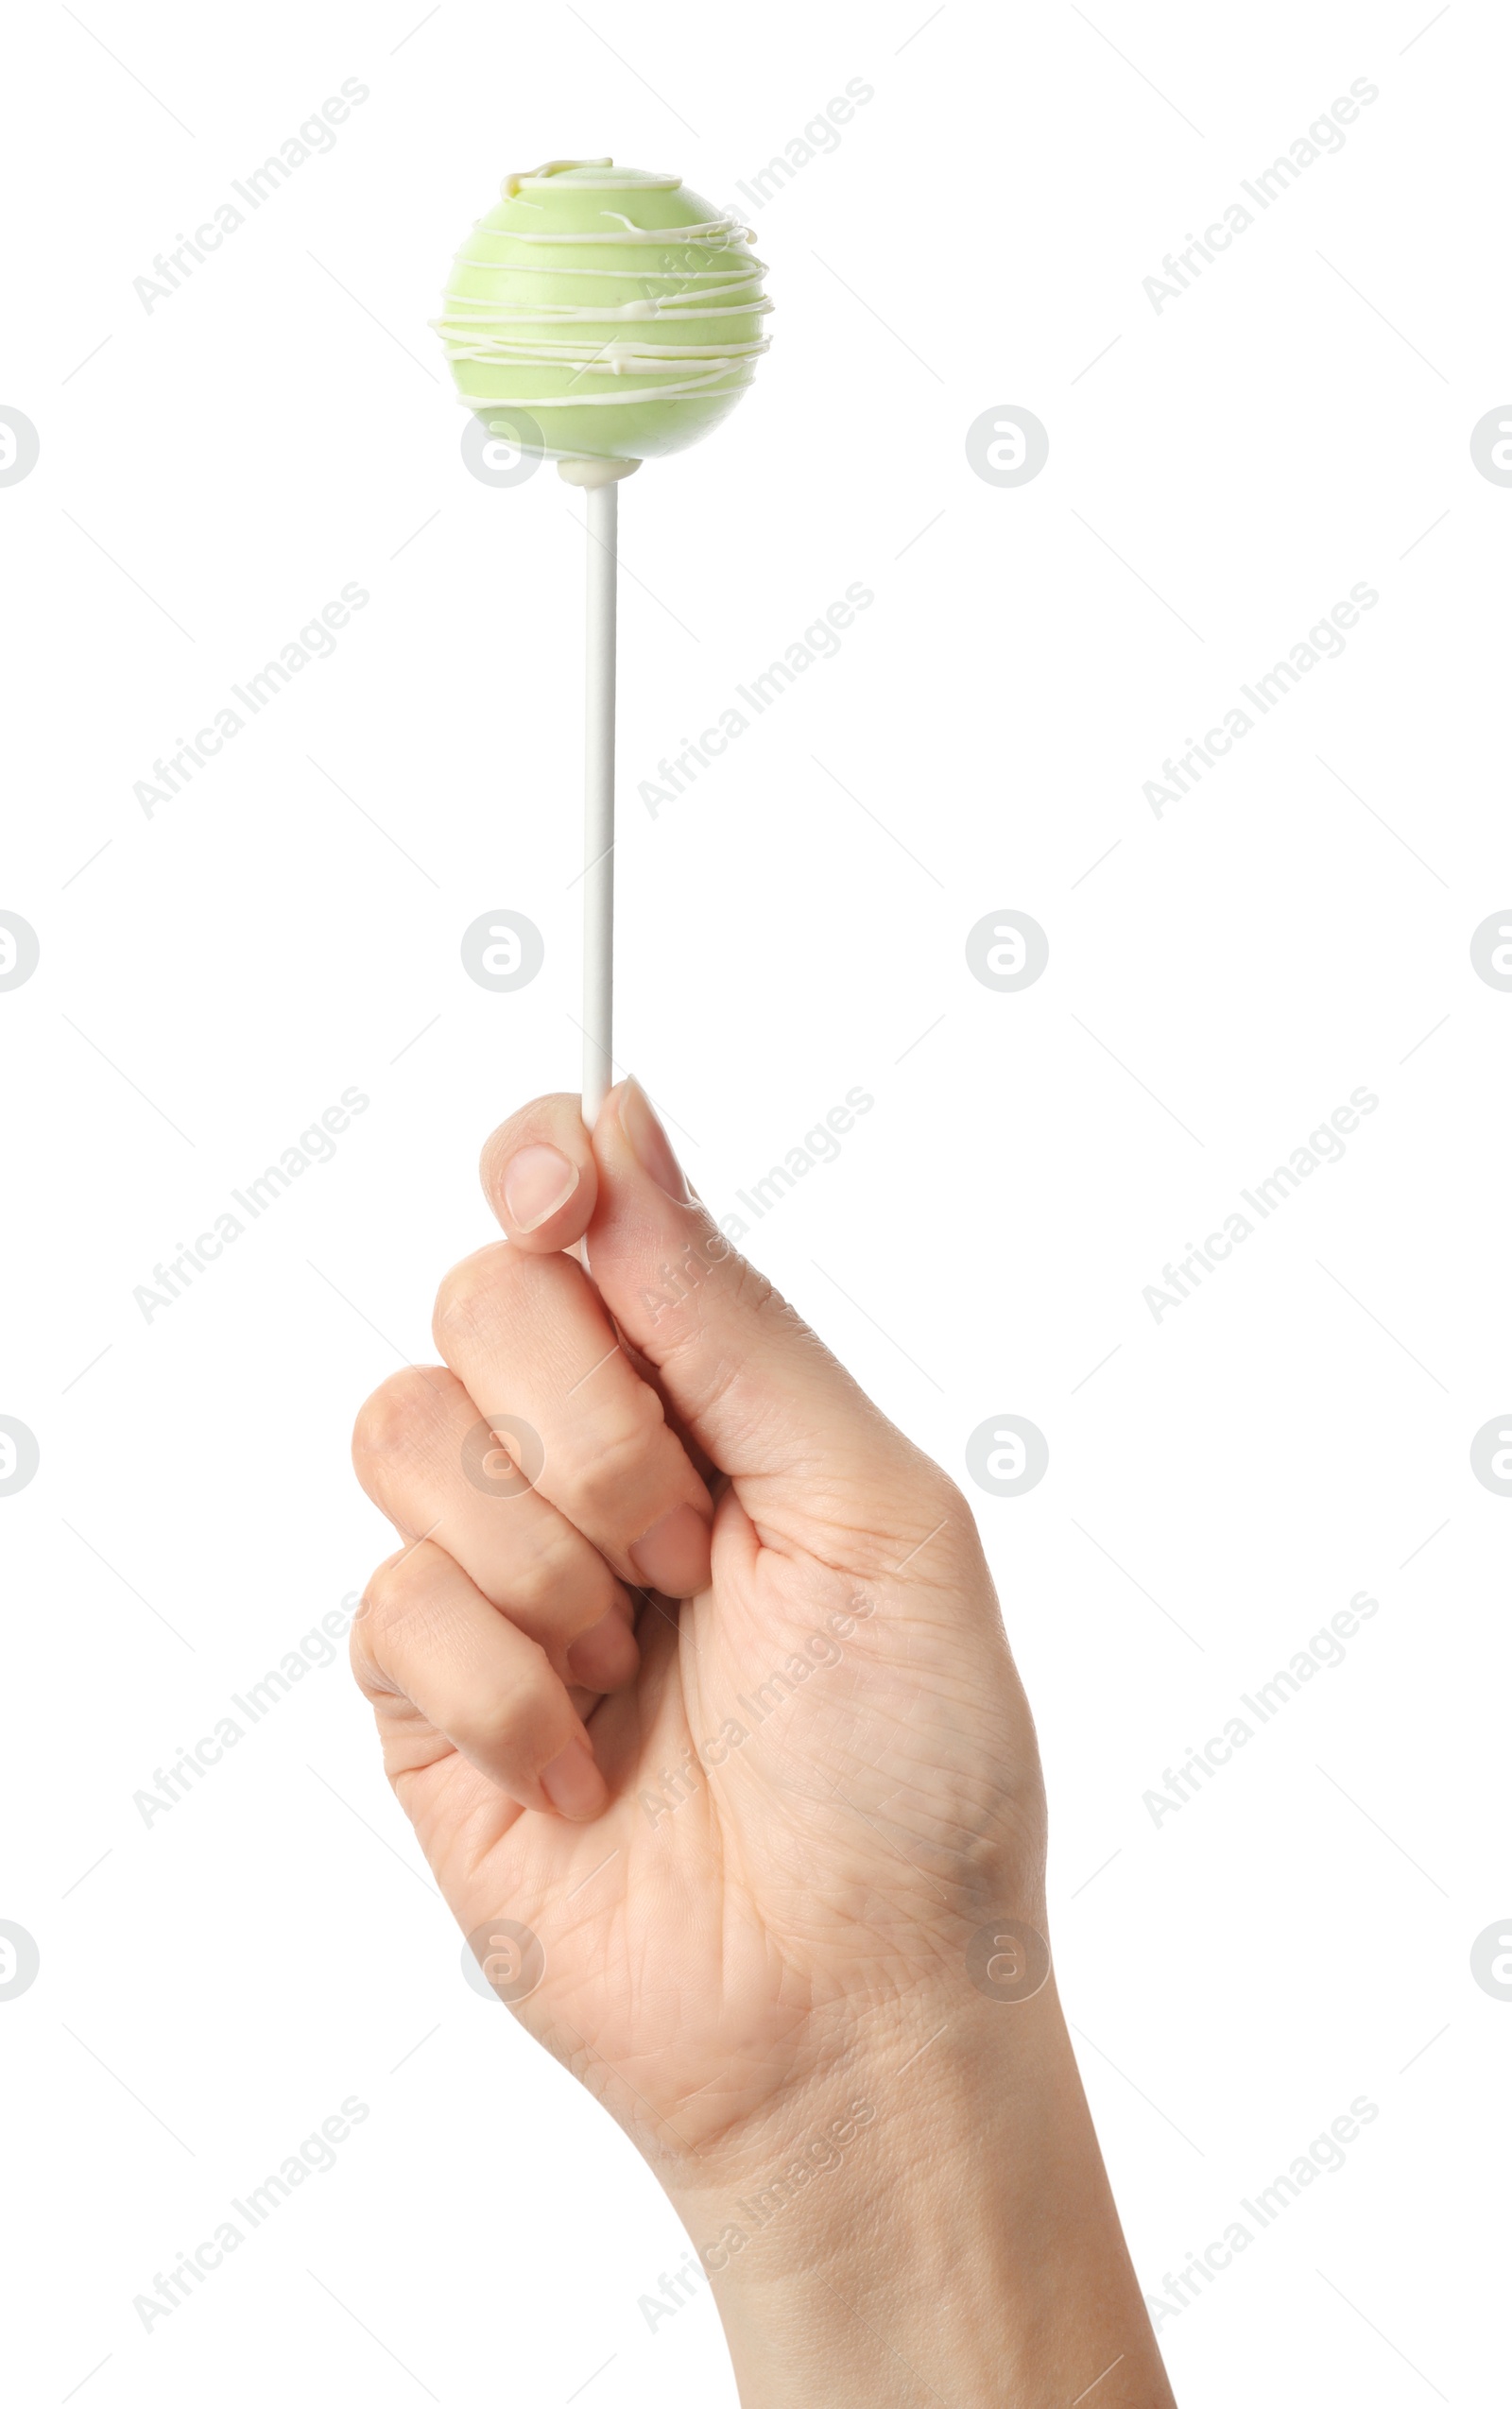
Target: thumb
(741,1369)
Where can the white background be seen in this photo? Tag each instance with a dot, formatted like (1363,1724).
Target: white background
(212,977)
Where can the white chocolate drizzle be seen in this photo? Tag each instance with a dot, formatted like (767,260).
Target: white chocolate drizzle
(497,334)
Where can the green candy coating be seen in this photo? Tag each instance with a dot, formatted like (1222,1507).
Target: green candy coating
(620,311)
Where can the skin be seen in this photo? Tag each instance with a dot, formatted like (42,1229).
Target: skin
(766,1822)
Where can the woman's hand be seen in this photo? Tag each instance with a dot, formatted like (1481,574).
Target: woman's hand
(697,1693)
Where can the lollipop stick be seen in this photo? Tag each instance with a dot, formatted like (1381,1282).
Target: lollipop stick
(598,817)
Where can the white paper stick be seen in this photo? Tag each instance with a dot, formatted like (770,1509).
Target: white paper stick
(598,816)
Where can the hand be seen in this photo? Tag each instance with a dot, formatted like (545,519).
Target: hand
(716,1705)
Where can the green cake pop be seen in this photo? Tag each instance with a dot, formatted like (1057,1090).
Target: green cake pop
(600,317)
(618,312)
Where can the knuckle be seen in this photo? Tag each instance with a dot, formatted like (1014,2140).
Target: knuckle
(468,1300)
(400,1594)
(388,1422)
(516,1715)
(597,1461)
(360,1654)
(751,1293)
(558,1568)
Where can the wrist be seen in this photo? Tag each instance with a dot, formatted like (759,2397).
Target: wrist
(931,2221)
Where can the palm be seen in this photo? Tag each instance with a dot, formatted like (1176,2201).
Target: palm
(781,1842)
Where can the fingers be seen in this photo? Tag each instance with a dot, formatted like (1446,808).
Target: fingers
(528,1338)
(427,1636)
(538,1174)
(429,1461)
(740,1369)
(742,1374)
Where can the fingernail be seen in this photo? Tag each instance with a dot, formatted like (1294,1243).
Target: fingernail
(652,1148)
(605,1657)
(536,1183)
(574,1783)
(674,1555)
